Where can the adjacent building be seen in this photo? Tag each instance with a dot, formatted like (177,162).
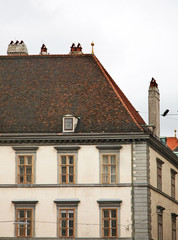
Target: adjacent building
(77,161)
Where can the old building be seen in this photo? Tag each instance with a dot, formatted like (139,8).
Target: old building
(77,160)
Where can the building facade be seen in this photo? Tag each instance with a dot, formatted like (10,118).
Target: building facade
(77,161)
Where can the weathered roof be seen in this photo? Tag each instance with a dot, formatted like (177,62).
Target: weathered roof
(36,91)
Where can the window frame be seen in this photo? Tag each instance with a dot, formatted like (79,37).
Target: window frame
(110,219)
(159,173)
(109,150)
(173,183)
(68,151)
(25,151)
(24,205)
(25,169)
(109,165)
(160,210)
(67,204)
(25,226)
(110,204)
(67,219)
(72,124)
(173,223)
(67,165)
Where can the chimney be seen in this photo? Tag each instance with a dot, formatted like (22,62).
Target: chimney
(154,107)
(17,48)
(43,50)
(76,50)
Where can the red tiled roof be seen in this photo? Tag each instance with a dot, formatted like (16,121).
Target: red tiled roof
(172,143)
(36,91)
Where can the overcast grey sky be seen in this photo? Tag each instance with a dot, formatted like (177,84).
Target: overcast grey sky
(135,40)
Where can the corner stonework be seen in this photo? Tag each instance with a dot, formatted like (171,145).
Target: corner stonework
(141,200)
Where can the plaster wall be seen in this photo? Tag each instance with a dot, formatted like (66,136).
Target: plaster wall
(170,207)
(46,211)
(166,173)
(46,166)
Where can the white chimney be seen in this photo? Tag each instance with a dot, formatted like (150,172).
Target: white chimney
(154,107)
(17,48)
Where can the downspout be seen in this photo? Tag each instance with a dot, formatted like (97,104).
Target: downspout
(132,187)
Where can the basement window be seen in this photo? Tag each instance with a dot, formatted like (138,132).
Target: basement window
(69,123)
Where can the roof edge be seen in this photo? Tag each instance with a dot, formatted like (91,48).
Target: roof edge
(117,90)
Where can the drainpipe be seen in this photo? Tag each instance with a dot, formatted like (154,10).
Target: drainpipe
(132,187)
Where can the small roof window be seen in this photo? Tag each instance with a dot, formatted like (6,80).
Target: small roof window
(69,123)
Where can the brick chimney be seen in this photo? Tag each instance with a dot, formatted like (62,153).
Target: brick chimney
(76,50)
(17,48)
(154,107)
(43,50)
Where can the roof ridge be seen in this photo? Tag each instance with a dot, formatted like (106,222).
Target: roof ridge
(135,116)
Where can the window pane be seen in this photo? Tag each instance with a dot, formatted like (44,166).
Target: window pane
(113,159)
(29,213)
(113,179)
(21,180)
(105,159)
(63,178)
(71,170)
(113,169)
(63,170)
(71,159)
(28,169)
(29,178)
(63,223)
(21,160)
(106,213)
(63,213)
(106,223)
(68,123)
(71,223)
(113,232)
(71,179)
(71,214)
(105,178)
(113,223)
(105,169)
(21,213)
(113,213)
(71,232)
(21,170)
(106,232)
(29,160)
(63,159)
(63,232)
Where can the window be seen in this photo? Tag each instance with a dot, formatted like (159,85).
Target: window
(109,223)
(174,226)
(109,210)
(160,222)
(69,123)
(25,164)
(67,217)
(66,222)
(173,176)
(109,163)
(24,217)
(67,168)
(25,169)
(159,174)
(67,157)
(25,226)
(109,168)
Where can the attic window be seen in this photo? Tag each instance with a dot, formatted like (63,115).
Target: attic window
(69,123)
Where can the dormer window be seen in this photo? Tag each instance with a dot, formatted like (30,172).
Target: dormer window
(69,123)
